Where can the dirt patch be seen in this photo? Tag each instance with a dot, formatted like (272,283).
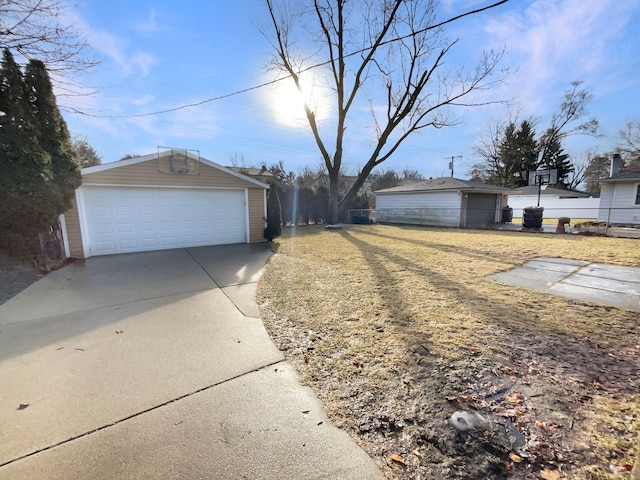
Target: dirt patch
(397,329)
(15,277)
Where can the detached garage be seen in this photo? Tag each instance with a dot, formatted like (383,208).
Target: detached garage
(446,202)
(172,199)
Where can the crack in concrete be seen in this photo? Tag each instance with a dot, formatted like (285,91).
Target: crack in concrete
(137,414)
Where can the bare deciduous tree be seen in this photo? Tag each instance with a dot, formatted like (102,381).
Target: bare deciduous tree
(389,52)
(497,169)
(487,147)
(630,138)
(572,109)
(578,177)
(42,30)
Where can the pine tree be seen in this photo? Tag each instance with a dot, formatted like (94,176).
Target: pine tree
(517,154)
(39,171)
(552,156)
(22,159)
(62,174)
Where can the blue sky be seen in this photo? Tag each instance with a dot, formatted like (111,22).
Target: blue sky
(158,55)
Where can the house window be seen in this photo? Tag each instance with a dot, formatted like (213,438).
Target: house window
(638,194)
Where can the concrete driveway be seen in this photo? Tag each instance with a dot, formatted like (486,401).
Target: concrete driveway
(157,365)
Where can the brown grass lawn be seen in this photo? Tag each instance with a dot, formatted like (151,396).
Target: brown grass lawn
(395,328)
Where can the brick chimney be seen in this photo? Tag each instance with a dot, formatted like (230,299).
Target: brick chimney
(615,165)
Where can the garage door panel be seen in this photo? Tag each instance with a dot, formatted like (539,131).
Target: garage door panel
(126,244)
(103,228)
(105,246)
(120,220)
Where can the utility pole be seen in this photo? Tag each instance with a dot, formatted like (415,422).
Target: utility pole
(451,163)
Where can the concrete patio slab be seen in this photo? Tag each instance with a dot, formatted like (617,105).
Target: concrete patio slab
(595,295)
(605,283)
(559,261)
(616,272)
(76,373)
(613,285)
(529,278)
(552,265)
(260,426)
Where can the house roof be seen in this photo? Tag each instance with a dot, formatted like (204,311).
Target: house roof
(623,177)
(561,192)
(154,156)
(254,172)
(443,184)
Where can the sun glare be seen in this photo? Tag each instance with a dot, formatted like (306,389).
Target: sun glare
(287,103)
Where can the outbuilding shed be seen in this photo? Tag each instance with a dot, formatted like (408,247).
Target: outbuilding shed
(170,199)
(445,201)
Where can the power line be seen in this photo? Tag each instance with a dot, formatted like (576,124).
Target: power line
(321,64)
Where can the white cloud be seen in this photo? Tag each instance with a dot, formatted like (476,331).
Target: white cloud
(144,100)
(149,24)
(112,46)
(144,61)
(552,43)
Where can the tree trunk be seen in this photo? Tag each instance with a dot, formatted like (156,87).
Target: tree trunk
(334,209)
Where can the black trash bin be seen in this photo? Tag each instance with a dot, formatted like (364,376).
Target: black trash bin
(507,214)
(532,217)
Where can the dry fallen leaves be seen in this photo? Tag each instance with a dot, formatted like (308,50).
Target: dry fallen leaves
(515,398)
(551,474)
(397,458)
(515,458)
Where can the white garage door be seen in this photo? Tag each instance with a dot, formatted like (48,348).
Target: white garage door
(120,220)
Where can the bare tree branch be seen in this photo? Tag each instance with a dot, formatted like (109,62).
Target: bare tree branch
(402,59)
(43,30)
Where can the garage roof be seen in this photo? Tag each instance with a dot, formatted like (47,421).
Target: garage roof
(623,177)
(561,192)
(154,156)
(444,184)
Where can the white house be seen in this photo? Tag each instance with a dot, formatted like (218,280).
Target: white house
(620,199)
(446,201)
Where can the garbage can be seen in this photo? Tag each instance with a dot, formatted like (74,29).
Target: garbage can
(532,217)
(507,214)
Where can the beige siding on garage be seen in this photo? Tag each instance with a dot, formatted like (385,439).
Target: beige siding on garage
(256,215)
(73,232)
(147,173)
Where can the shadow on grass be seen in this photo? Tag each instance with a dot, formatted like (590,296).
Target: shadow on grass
(571,373)
(520,322)
(459,290)
(469,251)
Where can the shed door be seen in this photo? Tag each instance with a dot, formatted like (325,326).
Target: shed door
(481,210)
(126,219)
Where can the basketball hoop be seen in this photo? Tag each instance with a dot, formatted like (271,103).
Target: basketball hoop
(543,178)
(178,161)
